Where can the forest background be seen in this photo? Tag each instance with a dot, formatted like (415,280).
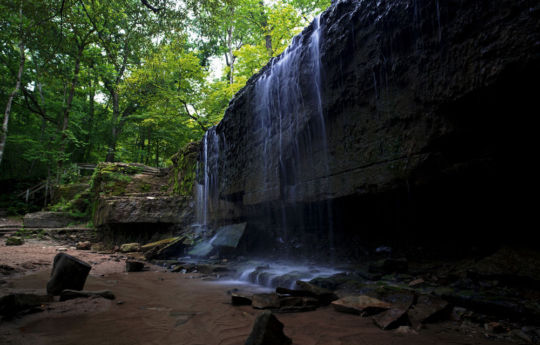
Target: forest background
(86,81)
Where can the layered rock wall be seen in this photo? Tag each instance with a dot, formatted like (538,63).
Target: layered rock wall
(413,96)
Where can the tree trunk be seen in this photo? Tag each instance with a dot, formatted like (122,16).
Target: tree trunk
(69,102)
(114,131)
(4,131)
(267,36)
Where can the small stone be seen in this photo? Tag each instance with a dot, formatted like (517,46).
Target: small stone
(120,302)
(134,266)
(86,245)
(265,301)
(130,247)
(61,249)
(267,330)
(14,241)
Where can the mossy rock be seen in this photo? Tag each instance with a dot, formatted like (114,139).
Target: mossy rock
(14,241)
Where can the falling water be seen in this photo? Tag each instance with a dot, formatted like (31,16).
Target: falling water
(207,173)
(290,119)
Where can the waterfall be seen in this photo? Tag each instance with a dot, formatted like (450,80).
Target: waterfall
(207,172)
(289,116)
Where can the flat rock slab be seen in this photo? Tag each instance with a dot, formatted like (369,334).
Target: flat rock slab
(229,235)
(72,294)
(68,272)
(391,319)
(265,301)
(239,299)
(362,305)
(267,330)
(48,220)
(202,249)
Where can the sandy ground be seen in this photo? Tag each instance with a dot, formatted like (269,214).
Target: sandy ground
(157,307)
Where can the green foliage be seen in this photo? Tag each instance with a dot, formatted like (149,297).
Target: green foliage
(144,83)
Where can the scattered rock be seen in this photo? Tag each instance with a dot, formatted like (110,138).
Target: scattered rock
(68,272)
(391,319)
(267,330)
(14,241)
(429,309)
(72,294)
(14,303)
(238,299)
(265,301)
(134,266)
(130,247)
(362,305)
(86,245)
(61,249)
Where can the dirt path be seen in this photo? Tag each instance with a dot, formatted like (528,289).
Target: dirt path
(156,307)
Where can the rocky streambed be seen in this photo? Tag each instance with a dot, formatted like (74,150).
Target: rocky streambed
(384,301)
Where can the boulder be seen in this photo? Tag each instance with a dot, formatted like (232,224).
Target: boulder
(49,220)
(202,249)
(265,301)
(391,319)
(267,330)
(14,303)
(134,266)
(86,245)
(130,247)
(72,294)
(429,309)
(14,241)
(68,272)
(362,305)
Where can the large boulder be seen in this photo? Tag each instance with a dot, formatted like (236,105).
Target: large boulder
(49,220)
(68,272)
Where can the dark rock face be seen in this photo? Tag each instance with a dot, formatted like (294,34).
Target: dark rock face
(384,114)
(134,266)
(68,272)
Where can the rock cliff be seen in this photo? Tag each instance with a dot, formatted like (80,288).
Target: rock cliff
(381,118)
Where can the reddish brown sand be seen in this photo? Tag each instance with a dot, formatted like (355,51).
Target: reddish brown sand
(171,308)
